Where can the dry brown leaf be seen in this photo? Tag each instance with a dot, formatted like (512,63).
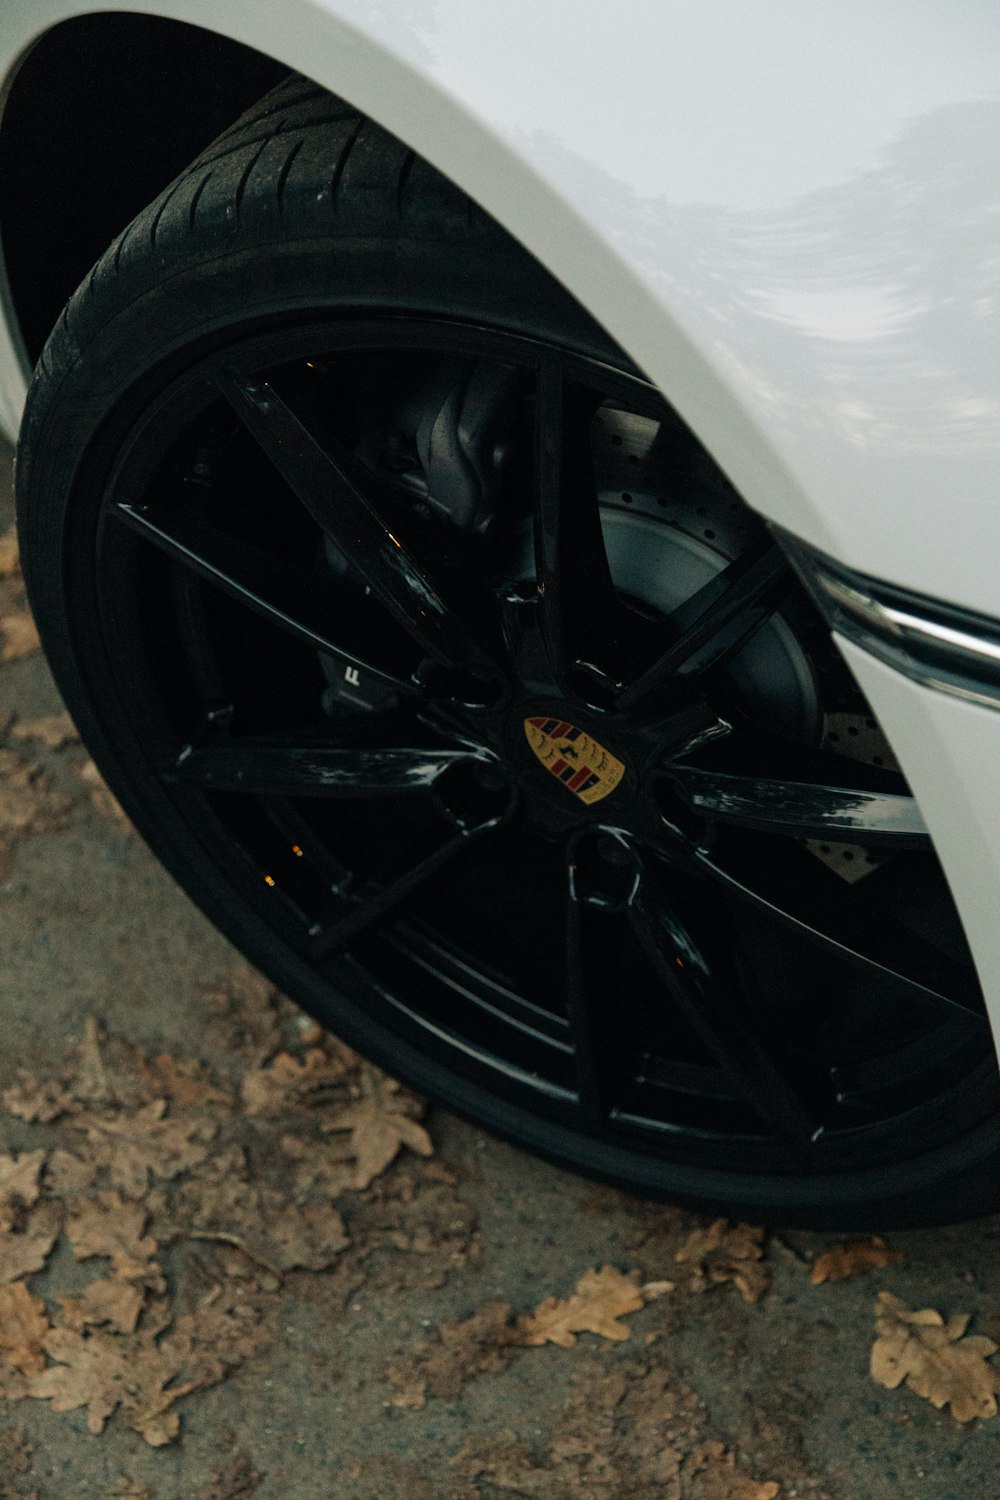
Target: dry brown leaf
(27,803)
(248,1013)
(183,1080)
(101,797)
(309,1238)
(320,1166)
(25,1248)
(713,1475)
(23,1326)
(91,1084)
(726,1252)
(19,1186)
(601,1298)
(484,1344)
(20,637)
(109,1225)
(102,1371)
(15,1458)
(146,1377)
(54,731)
(110,1070)
(37,1100)
(10,563)
(237,1481)
(935,1358)
(129,1489)
(67,1175)
(433,1228)
(274,1232)
(287,1082)
(382,1121)
(853,1258)
(136,1147)
(625,1431)
(110,1301)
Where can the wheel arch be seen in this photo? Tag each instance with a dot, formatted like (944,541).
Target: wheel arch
(51,229)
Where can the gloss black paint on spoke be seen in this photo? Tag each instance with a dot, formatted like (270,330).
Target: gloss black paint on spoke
(843,920)
(290,598)
(803,808)
(754,1057)
(579,604)
(594,935)
(275,768)
(326,488)
(349,916)
(714,624)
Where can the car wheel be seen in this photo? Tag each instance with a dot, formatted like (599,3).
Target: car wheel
(442,666)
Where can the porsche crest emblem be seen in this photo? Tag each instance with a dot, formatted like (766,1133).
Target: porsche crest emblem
(574,757)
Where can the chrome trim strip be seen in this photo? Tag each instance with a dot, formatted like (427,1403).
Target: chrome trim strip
(948,649)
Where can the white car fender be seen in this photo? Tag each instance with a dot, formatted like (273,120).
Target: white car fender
(788,216)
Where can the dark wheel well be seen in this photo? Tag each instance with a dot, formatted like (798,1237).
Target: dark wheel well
(102,113)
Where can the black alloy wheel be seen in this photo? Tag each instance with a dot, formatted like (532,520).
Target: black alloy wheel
(436,658)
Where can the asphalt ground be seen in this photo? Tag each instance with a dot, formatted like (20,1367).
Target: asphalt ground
(106,966)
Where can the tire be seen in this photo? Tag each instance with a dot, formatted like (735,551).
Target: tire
(311,299)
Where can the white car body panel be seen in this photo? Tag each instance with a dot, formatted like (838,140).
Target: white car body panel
(788,216)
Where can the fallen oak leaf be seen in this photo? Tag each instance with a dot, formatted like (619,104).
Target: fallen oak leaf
(67,1175)
(25,1248)
(109,1225)
(54,731)
(182,1080)
(23,1326)
(483,1344)
(19,1186)
(20,635)
(853,1258)
(287,1082)
(100,1371)
(248,1015)
(112,1301)
(320,1166)
(935,1358)
(713,1475)
(27,802)
(382,1121)
(37,1100)
(726,1252)
(600,1300)
(275,1233)
(237,1481)
(15,1455)
(101,796)
(10,562)
(145,1377)
(145,1144)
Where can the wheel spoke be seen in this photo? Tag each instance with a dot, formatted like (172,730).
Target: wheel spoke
(714,624)
(842,919)
(804,808)
(594,934)
(294,600)
(579,605)
(273,767)
(351,915)
(747,1048)
(324,485)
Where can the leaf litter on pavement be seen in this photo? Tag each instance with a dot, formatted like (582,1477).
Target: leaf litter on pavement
(157,1156)
(194,1195)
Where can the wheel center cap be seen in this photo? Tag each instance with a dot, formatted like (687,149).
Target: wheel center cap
(581,764)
